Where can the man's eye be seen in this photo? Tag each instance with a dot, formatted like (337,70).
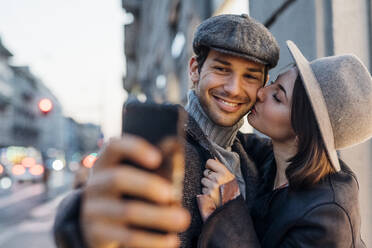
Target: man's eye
(222,69)
(250,76)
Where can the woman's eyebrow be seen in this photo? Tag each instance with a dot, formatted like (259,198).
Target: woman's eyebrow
(282,88)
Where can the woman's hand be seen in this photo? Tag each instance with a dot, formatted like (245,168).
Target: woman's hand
(215,175)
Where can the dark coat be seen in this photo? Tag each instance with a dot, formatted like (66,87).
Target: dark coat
(327,215)
(197,151)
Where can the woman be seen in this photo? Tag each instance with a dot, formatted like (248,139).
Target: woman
(307,197)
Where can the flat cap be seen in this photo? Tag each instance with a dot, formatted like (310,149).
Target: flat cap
(238,35)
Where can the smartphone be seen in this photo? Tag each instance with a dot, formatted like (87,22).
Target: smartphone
(163,126)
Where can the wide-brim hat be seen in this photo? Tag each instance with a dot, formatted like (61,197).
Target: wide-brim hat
(340,92)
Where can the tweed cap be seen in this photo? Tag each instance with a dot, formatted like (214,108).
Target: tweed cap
(340,91)
(238,35)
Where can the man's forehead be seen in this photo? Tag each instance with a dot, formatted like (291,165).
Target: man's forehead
(228,58)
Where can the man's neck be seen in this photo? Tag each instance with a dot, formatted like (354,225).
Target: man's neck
(222,136)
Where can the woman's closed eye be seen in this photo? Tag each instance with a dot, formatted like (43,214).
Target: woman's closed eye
(276,98)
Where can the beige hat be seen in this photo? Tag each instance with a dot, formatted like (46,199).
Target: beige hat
(340,91)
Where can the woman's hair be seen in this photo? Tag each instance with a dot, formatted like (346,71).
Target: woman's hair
(311,164)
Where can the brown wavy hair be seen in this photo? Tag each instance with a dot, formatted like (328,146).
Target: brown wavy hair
(310,164)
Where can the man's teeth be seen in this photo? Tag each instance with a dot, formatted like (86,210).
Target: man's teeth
(229,103)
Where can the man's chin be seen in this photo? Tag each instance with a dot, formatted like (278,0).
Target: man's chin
(225,121)
(221,118)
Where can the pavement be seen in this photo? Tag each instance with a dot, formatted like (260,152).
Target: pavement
(27,212)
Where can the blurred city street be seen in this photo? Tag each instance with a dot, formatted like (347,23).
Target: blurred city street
(27,212)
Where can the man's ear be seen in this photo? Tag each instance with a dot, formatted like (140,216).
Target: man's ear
(193,70)
(267,79)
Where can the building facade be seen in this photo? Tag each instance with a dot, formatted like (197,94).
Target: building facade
(158,46)
(23,124)
(6,92)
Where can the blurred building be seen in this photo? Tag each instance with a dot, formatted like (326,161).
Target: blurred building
(90,136)
(6,92)
(72,140)
(81,139)
(52,123)
(24,122)
(21,121)
(24,108)
(158,46)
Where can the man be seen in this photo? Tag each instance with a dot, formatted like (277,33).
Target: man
(233,56)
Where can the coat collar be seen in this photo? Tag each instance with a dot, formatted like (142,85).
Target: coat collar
(194,133)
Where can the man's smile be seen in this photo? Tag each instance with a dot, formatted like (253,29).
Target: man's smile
(228,105)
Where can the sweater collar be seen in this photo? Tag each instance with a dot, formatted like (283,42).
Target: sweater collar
(222,136)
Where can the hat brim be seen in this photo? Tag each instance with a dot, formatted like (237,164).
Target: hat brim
(241,55)
(317,101)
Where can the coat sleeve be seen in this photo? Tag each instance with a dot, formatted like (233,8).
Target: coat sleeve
(326,225)
(232,226)
(66,229)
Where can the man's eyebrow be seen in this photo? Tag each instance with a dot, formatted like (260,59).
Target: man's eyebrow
(282,88)
(254,70)
(222,61)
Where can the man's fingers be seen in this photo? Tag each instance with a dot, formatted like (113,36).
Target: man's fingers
(208,183)
(215,166)
(139,214)
(208,173)
(130,181)
(205,191)
(129,148)
(116,234)
(166,218)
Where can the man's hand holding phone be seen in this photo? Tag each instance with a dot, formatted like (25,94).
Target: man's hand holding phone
(110,221)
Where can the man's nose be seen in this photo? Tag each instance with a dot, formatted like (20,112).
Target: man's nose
(233,86)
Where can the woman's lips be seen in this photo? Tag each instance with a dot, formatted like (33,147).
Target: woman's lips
(253,110)
(227,105)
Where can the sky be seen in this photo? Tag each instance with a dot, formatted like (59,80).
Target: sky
(76,48)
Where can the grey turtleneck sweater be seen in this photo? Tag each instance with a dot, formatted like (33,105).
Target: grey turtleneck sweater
(220,137)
